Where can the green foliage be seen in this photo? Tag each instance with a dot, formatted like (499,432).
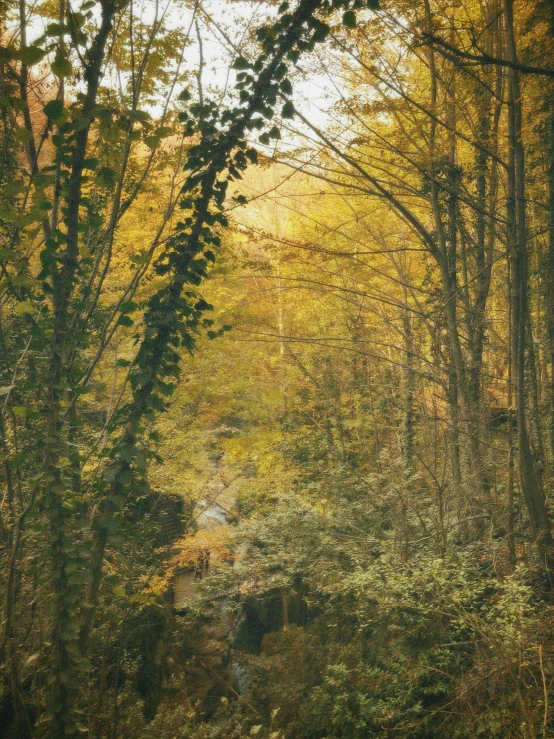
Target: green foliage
(77,453)
(409,649)
(374,590)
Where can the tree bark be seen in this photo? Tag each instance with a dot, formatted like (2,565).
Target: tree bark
(529,477)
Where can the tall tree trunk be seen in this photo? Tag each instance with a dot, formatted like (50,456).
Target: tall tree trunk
(447,241)
(549,11)
(408,425)
(530,480)
(66,655)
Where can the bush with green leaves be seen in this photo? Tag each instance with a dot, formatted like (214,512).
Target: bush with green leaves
(426,648)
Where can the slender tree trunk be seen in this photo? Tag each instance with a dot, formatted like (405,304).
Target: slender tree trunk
(549,7)
(65,651)
(408,425)
(512,552)
(447,241)
(550,308)
(530,480)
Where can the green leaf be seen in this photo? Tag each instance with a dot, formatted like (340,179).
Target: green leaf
(152,142)
(31,55)
(13,187)
(288,110)
(321,32)
(286,86)
(17,103)
(7,255)
(138,115)
(53,109)
(81,123)
(349,19)
(24,307)
(90,163)
(240,63)
(23,281)
(61,66)
(56,29)
(106,177)
(23,135)
(119,591)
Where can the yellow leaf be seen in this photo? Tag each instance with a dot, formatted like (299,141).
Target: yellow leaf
(24,307)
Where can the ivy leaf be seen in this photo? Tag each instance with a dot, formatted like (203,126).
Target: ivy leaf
(106,177)
(138,115)
(61,66)
(53,109)
(286,86)
(31,55)
(321,32)
(288,110)
(152,142)
(240,63)
(56,29)
(349,19)
(128,306)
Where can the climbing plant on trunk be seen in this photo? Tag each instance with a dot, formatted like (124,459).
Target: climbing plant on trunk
(87,155)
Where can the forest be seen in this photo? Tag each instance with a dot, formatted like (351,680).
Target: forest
(277,369)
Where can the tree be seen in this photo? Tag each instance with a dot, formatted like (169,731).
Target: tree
(62,217)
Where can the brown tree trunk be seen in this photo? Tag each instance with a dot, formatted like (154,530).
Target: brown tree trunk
(530,480)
